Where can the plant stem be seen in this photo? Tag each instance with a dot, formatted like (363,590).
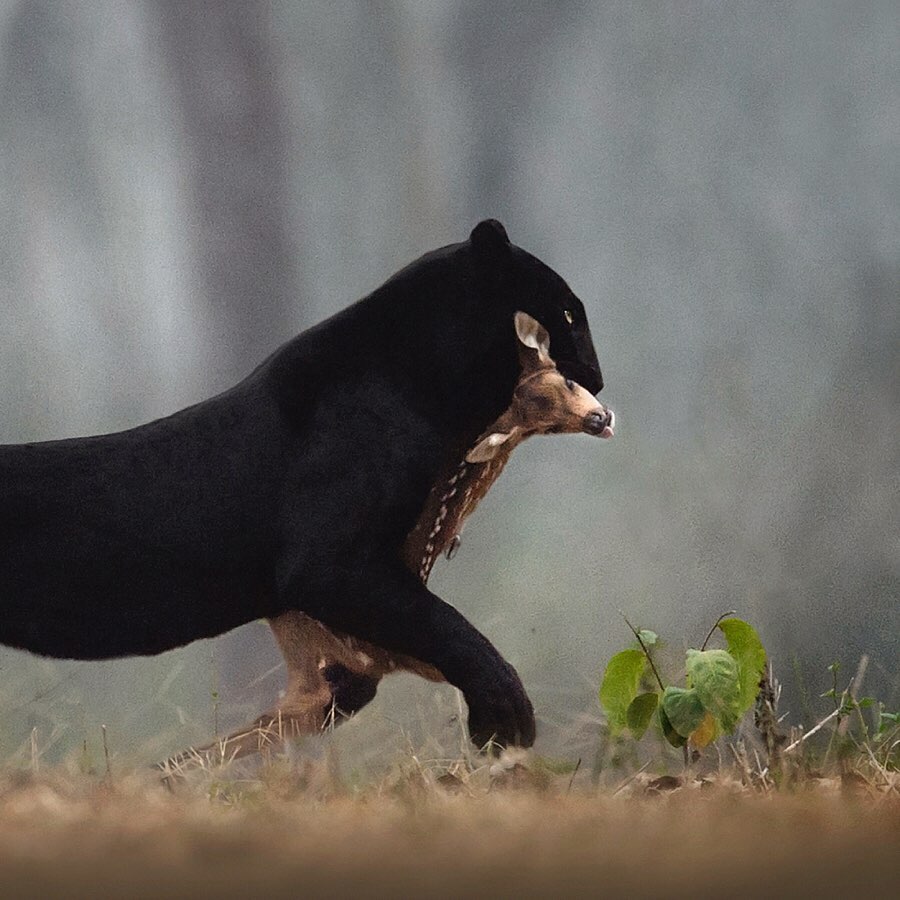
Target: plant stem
(637,634)
(105,750)
(730,612)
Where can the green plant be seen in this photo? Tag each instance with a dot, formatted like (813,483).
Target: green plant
(877,740)
(721,685)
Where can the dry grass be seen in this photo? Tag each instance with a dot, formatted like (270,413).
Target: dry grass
(754,817)
(296,831)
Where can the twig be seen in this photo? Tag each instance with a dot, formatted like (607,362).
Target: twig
(640,640)
(214,687)
(833,714)
(105,750)
(763,771)
(35,755)
(572,779)
(465,743)
(631,778)
(740,757)
(766,718)
(730,612)
(853,691)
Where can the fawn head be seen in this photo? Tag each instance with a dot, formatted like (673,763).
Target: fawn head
(544,401)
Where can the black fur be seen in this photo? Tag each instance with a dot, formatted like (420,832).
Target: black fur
(294,489)
(350,692)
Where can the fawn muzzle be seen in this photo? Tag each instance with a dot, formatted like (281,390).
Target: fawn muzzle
(599,423)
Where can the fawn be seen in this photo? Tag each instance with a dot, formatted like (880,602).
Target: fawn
(332,675)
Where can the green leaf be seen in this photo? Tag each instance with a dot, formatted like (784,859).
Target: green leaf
(714,675)
(886,723)
(684,710)
(671,735)
(639,713)
(620,686)
(744,645)
(650,638)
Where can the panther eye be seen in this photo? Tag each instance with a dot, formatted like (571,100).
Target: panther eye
(570,384)
(569,317)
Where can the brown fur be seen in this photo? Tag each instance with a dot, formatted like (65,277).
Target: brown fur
(543,402)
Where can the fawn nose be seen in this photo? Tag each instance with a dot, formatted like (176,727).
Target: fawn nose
(600,422)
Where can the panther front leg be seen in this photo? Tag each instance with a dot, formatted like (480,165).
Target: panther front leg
(387,606)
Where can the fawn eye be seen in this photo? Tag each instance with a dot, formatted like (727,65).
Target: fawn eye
(569,317)
(570,384)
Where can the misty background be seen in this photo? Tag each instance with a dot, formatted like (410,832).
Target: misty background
(186,185)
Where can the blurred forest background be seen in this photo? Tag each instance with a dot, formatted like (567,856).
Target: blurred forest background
(185,185)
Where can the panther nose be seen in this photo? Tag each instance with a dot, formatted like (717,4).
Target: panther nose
(600,423)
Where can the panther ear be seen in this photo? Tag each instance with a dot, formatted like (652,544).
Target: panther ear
(489,239)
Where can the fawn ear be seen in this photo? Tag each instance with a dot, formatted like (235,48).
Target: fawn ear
(533,335)
(487,448)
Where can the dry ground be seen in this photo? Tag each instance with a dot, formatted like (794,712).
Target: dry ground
(283,836)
